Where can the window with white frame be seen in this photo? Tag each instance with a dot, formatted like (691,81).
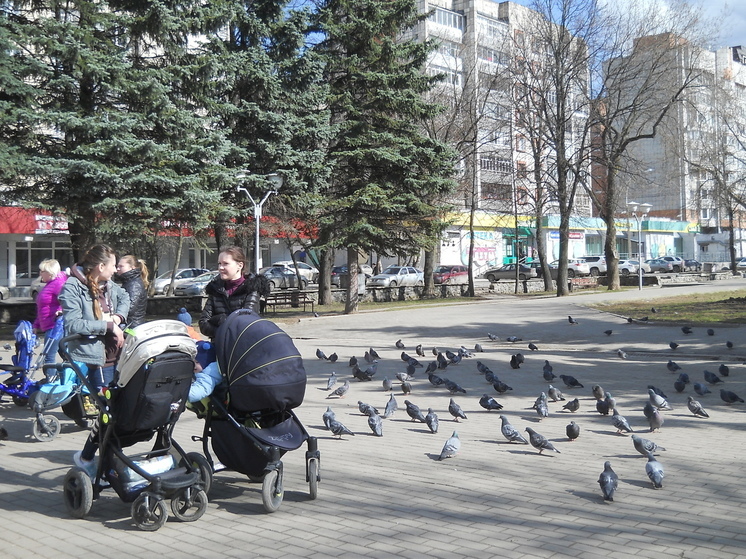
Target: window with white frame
(448,18)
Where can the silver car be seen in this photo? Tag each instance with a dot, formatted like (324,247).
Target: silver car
(397,276)
(161,283)
(195,286)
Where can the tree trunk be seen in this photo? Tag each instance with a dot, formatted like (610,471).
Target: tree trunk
(351,299)
(325,279)
(177,261)
(429,266)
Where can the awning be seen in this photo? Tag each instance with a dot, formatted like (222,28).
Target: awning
(522,232)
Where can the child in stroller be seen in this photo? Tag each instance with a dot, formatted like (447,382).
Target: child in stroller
(253,425)
(153,379)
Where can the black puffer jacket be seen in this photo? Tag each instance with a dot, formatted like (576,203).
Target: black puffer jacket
(132,283)
(219,305)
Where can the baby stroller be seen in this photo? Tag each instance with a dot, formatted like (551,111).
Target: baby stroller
(154,375)
(21,382)
(253,425)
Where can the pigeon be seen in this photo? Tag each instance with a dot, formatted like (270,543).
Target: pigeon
(338,429)
(403,377)
(3,433)
(571,320)
(679,385)
(373,353)
(435,351)
(608,332)
(489,403)
(654,469)
(391,407)
(683,377)
(515,361)
(672,366)
(404,356)
(331,381)
(723,370)
(431,367)
(320,354)
(655,420)
(431,419)
(412,362)
(602,407)
(414,412)
(500,387)
(712,378)
(571,381)
(353,361)
(490,377)
(673,345)
(493,337)
(455,410)
(695,407)
(658,401)
(700,388)
(729,344)
(452,386)
(341,391)
(710,332)
(376,424)
(653,310)
(730,397)
(549,376)
(572,405)
(513,339)
(645,446)
(621,353)
(648,410)
(657,390)
(399,344)
(442,361)
(598,392)
(368,358)
(366,409)
(333,358)
(539,442)
(510,432)
(387,384)
(555,394)
(686,329)
(608,480)
(406,388)
(419,351)
(533,347)
(328,416)
(572,430)
(435,380)
(541,406)
(478,348)
(620,422)
(452,446)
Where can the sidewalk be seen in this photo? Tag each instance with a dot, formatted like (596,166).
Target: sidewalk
(391,497)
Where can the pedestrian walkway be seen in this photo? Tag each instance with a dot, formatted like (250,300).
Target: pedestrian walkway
(390,497)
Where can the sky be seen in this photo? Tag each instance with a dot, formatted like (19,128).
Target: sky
(733,30)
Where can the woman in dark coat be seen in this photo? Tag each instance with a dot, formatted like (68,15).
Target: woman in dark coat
(230,290)
(133,276)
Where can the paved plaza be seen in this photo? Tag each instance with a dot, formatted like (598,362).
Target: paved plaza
(392,497)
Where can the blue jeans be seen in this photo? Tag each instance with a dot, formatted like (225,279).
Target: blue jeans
(51,355)
(100,376)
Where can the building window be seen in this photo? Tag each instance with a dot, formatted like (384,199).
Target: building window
(496,191)
(448,18)
(492,163)
(30,254)
(491,29)
(449,76)
(449,48)
(520,170)
(493,55)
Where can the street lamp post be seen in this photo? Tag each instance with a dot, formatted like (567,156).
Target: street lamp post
(639,212)
(276,181)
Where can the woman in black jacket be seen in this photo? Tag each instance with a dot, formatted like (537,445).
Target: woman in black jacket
(133,275)
(230,290)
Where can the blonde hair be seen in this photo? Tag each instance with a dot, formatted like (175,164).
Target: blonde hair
(140,264)
(50,265)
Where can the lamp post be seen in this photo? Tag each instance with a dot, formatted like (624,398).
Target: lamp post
(639,212)
(276,181)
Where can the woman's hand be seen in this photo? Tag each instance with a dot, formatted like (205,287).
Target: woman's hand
(119,333)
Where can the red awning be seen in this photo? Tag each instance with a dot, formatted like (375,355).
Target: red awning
(23,221)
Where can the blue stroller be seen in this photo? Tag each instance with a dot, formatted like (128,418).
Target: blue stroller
(152,384)
(253,425)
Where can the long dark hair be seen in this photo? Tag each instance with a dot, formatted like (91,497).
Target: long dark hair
(98,254)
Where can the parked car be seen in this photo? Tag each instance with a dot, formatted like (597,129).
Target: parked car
(692,265)
(627,267)
(451,274)
(596,264)
(645,266)
(338,272)
(282,278)
(195,286)
(741,264)
(397,276)
(182,274)
(659,265)
(306,270)
(575,267)
(677,263)
(508,272)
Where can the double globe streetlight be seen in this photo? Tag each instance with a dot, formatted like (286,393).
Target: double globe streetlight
(276,181)
(639,212)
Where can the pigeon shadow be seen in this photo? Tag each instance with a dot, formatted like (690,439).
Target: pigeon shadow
(638,483)
(587,496)
(421,431)
(526,452)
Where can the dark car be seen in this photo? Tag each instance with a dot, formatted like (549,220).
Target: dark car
(339,272)
(692,265)
(282,278)
(451,274)
(508,272)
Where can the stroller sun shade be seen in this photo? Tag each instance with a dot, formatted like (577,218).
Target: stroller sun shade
(263,367)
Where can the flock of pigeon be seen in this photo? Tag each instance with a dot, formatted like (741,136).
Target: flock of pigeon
(437,368)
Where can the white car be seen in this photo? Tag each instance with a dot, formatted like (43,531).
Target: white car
(397,276)
(307,271)
(575,267)
(645,266)
(627,267)
(161,283)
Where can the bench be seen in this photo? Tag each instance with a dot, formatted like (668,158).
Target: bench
(582,283)
(288,299)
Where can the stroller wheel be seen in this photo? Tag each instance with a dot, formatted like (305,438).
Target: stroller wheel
(200,463)
(189,505)
(272,491)
(77,491)
(20,401)
(46,428)
(313,478)
(149,512)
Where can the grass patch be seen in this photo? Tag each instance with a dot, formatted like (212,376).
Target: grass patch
(710,308)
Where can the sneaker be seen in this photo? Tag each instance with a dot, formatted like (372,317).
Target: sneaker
(88,465)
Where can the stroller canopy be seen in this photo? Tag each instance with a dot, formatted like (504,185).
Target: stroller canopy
(263,367)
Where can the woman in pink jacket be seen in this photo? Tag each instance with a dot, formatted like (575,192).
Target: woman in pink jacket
(48,307)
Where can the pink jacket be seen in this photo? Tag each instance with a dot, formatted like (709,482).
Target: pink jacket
(47,304)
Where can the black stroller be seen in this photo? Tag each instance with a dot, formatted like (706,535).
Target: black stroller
(252,425)
(154,375)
